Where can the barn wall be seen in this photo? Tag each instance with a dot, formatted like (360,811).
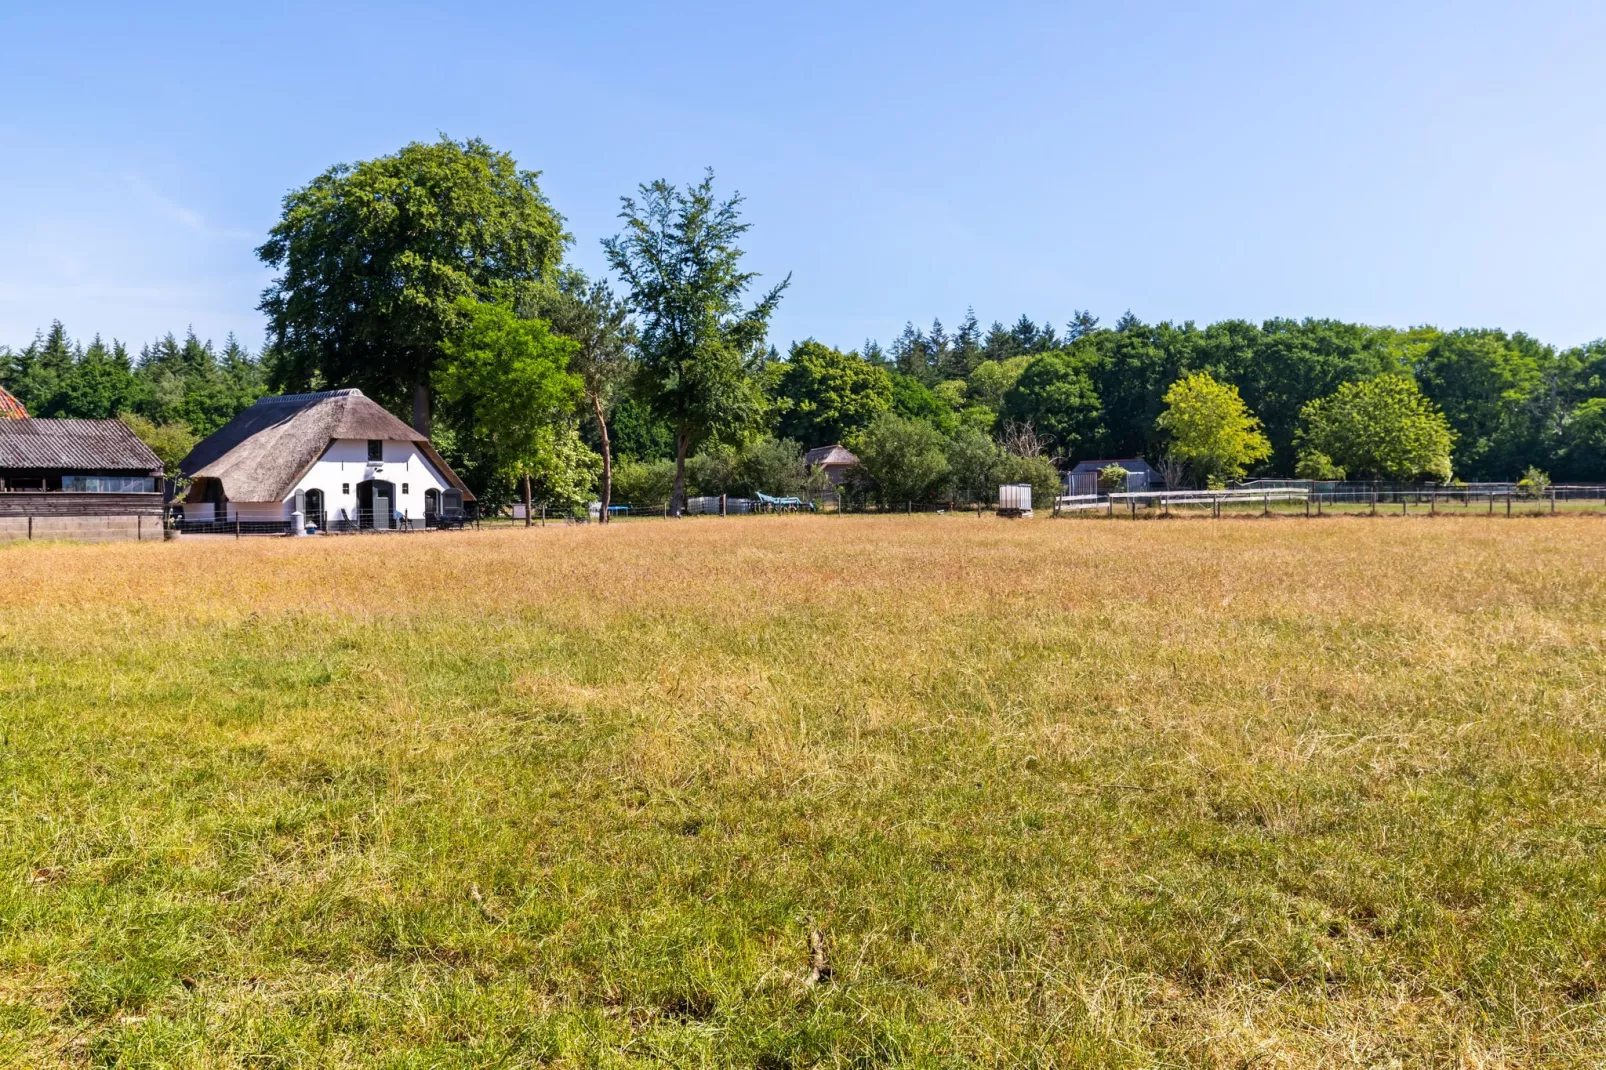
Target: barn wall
(81,528)
(70,503)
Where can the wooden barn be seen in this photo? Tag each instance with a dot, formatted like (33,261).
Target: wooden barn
(75,479)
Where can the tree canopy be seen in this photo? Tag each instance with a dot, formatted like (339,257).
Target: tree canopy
(509,383)
(1055,394)
(678,257)
(1382,428)
(373,257)
(824,394)
(1211,429)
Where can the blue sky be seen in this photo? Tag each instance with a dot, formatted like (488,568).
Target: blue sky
(1395,163)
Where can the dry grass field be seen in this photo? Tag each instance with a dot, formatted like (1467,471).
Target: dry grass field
(930,791)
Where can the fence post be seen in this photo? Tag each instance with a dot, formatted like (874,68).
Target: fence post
(722,505)
(1265,505)
(1508,504)
(30,529)
(1374,500)
(236,525)
(1552,501)
(1307,507)
(1491,503)
(1111,500)
(1433,503)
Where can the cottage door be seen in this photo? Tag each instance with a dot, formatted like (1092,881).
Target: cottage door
(382,500)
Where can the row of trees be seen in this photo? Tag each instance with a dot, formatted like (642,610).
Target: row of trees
(172,392)
(435,280)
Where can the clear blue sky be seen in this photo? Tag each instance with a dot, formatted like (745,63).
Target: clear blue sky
(1395,163)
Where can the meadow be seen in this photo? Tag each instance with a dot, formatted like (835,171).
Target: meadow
(793,791)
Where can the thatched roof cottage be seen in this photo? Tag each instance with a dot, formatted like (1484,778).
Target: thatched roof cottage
(336,457)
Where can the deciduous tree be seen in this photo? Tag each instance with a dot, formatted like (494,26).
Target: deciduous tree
(1211,428)
(373,257)
(678,255)
(824,395)
(1380,428)
(509,383)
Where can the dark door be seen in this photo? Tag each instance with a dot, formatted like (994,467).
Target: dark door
(376,498)
(315,508)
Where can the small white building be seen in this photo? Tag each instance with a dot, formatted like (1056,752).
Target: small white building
(337,457)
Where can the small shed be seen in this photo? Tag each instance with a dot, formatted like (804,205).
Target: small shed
(77,479)
(833,460)
(1084,478)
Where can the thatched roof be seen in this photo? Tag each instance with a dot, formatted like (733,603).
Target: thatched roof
(261,454)
(10,407)
(823,455)
(74,445)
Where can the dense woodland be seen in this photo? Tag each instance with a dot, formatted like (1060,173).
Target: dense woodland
(534,379)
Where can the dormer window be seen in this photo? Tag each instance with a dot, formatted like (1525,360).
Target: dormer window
(376,449)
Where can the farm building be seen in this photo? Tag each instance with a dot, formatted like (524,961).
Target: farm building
(10,407)
(833,460)
(1084,478)
(337,457)
(75,479)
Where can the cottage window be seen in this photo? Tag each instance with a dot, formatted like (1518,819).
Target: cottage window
(376,449)
(345,488)
(404,488)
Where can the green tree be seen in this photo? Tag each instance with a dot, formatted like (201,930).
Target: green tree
(1380,428)
(973,462)
(678,255)
(599,324)
(1487,384)
(1211,429)
(374,256)
(992,379)
(171,442)
(1585,437)
(900,460)
(644,483)
(1055,394)
(508,382)
(914,400)
(100,384)
(824,395)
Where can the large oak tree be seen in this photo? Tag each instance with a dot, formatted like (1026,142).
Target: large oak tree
(372,257)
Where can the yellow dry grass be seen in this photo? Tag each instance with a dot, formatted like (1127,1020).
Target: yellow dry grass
(1285,793)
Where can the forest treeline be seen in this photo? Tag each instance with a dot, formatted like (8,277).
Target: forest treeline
(458,311)
(1089,392)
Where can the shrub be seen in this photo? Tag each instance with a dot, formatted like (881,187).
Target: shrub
(1314,464)
(1533,484)
(1112,477)
(900,460)
(1038,471)
(643,482)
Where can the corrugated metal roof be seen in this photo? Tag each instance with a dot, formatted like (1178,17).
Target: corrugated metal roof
(79,445)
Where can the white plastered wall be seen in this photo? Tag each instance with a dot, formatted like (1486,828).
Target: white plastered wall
(343,465)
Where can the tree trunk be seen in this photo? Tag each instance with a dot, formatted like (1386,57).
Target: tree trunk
(527,519)
(677,497)
(421,408)
(607,458)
